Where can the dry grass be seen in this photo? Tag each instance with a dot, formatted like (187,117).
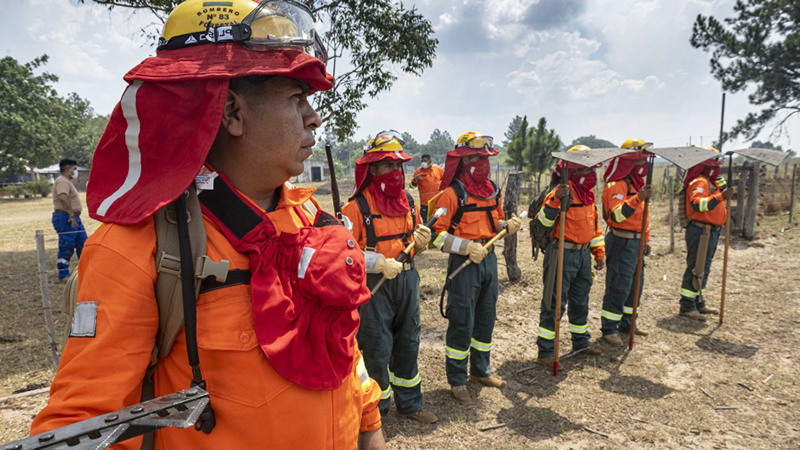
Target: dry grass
(663,394)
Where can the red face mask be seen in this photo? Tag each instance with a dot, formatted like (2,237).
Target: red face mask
(586,181)
(391,183)
(479,170)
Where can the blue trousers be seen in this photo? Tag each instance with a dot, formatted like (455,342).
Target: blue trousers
(622,256)
(69,240)
(575,286)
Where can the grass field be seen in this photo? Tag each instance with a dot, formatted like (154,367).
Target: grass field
(687,385)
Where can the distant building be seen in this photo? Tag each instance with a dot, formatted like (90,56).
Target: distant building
(313,171)
(52,172)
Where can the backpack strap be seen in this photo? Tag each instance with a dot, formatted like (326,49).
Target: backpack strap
(463,206)
(369,225)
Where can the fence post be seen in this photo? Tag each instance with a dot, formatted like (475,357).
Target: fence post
(671,188)
(741,197)
(791,199)
(510,243)
(45,287)
(749,225)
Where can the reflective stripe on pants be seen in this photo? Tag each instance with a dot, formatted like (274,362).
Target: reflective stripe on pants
(471,311)
(690,300)
(621,257)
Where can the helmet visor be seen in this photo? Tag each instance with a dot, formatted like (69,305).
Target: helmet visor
(382,138)
(478,142)
(283,24)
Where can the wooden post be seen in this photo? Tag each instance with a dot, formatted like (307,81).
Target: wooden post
(671,188)
(749,225)
(741,197)
(45,287)
(791,199)
(513,181)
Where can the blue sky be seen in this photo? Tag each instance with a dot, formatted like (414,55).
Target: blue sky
(612,68)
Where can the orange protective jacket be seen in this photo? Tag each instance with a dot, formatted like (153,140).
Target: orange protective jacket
(704,202)
(255,407)
(384,226)
(428,185)
(582,223)
(474,225)
(622,208)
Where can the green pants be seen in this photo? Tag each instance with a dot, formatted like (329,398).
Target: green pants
(389,340)
(576,282)
(691,299)
(622,255)
(471,310)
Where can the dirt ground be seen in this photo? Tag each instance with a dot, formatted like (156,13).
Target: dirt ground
(686,385)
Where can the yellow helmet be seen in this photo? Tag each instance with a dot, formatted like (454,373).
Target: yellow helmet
(257,25)
(385,141)
(578,148)
(636,144)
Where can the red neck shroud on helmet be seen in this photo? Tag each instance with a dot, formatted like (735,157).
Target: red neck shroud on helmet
(622,166)
(583,185)
(389,205)
(160,132)
(453,168)
(710,169)
(389,194)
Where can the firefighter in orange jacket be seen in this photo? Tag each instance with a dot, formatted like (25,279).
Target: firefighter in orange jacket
(222,108)
(427,179)
(582,240)
(623,209)
(385,221)
(474,215)
(706,192)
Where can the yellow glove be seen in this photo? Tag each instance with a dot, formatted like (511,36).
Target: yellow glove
(422,235)
(512,225)
(476,252)
(390,268)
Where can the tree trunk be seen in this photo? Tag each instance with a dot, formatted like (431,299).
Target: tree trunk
(510,243)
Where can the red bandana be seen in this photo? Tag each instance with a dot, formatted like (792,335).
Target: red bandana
(583,185)
(305,287)
(637,175)
(475,177)
(389,194)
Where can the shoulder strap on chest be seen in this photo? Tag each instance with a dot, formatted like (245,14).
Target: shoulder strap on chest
(366,217)
(463,206)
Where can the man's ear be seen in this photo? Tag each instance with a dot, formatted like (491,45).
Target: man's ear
(232,119)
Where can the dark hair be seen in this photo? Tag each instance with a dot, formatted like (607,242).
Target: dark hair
(64,163)
(425,156)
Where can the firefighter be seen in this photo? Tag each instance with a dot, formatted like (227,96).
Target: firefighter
(474,215)
(222,109)
(385,221)
(582,240)
(706,192)
(427,179)
(623,208)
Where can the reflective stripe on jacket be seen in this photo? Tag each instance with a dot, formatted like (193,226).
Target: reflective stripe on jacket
(704,202)
(622,207)
(582,223)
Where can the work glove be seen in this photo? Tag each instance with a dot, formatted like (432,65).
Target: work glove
(476,252)
(512,225)
(422,236)
(720,183)
(390,268)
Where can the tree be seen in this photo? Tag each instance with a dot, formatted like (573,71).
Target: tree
(771,146)
(544,143)
(592,141)
(518,144)
(81,147)
(372,38)
(439,144)
(759,47)
(36,125)
(513,127)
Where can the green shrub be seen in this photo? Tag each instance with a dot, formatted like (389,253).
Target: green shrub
(41,187)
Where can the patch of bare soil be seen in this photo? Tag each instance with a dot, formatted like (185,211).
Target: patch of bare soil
(686,385)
